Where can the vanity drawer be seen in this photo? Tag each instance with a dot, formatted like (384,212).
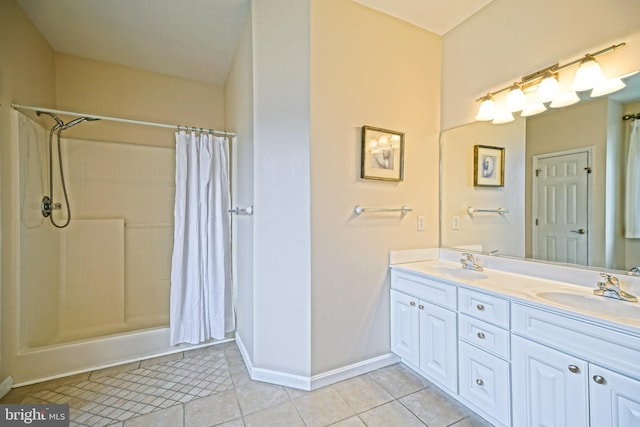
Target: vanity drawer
(605,346)
(429,290)
(484,382)
(484,307)
(484,335)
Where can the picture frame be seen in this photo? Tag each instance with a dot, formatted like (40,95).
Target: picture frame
(488,166)
(382,155)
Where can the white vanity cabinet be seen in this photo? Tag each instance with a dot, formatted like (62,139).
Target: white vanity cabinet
(484,354)
(423,333)
(556,376)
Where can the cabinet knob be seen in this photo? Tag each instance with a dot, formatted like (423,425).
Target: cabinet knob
(481,335)
(421,307)
(574,369)
(480,382)
(412,303)
(480,307)
(599,379)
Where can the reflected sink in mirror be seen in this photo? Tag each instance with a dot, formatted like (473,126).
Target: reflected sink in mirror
(593,303)
(460,273)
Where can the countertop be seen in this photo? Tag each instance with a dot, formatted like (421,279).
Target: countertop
(555,296)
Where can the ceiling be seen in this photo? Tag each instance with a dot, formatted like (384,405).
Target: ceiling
(193,39)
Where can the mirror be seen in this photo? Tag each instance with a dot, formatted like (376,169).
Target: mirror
(564,170)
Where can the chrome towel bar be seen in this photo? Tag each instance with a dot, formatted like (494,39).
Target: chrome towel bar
(360,210)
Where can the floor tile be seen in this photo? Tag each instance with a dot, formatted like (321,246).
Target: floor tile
(434,408)
(350,422)
(161,359)
(362,393)
(212,410)
(322,407)
(257,395)
(398,380)
(170,417)
(107,372)
(472,421)
(390,414)
(284,415)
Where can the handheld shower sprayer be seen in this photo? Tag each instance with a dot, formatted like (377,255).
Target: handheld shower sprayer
(47,206)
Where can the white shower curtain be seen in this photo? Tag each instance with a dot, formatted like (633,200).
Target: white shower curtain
(632,199)
(201,305)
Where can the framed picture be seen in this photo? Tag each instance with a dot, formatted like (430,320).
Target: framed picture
(488,166)
(382,154)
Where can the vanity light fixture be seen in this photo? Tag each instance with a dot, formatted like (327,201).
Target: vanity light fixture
(545,84)
(487,109)
(589,74)
(515,98)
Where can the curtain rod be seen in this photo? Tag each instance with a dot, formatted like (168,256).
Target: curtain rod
(118,119)
(631,116)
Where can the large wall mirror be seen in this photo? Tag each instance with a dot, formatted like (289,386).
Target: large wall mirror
(563,198)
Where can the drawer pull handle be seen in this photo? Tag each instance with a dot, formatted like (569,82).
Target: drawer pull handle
(412,303)
(481,335)
(421,307)
(599,379)
(480,307)
(574,369)
(480,382)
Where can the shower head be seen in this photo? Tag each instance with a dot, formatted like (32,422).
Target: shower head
(59,123)
(78,120)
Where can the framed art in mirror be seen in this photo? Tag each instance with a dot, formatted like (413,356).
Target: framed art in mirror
(382,154)
(488,166)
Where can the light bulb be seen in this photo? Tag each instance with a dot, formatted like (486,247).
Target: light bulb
(515,99)
(608,86)
(487,109)
(564,100)
(588,75)
(549,88)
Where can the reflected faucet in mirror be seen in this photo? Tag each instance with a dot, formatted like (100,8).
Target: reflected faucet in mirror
(610,288)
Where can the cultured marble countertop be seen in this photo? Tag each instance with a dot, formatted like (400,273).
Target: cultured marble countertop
(556,296)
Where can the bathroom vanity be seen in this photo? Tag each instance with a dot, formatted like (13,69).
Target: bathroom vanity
(520,343)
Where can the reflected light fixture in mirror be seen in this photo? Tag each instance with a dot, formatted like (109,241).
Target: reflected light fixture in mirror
(545,84)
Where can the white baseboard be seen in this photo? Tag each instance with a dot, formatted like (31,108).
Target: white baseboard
(317,381)
(5,386)
(353,370)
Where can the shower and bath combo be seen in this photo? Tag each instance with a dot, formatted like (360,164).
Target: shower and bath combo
(47,206)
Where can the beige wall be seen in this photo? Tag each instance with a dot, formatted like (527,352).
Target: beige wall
(366,69)
(27,76)
(509,39)
(238,97)
(88,86)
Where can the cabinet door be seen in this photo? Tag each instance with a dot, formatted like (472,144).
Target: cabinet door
(484,381)
(404,327)
(438,344)
(549,388)
(614,399)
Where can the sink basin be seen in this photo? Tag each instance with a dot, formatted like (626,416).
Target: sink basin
(593,303)
(460,273)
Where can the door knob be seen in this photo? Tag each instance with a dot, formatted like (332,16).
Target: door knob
(579,231)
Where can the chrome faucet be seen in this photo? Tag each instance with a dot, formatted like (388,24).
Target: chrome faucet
(469,262)
(610,288)
(635,271)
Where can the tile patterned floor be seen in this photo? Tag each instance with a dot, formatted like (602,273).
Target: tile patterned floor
(211,387)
